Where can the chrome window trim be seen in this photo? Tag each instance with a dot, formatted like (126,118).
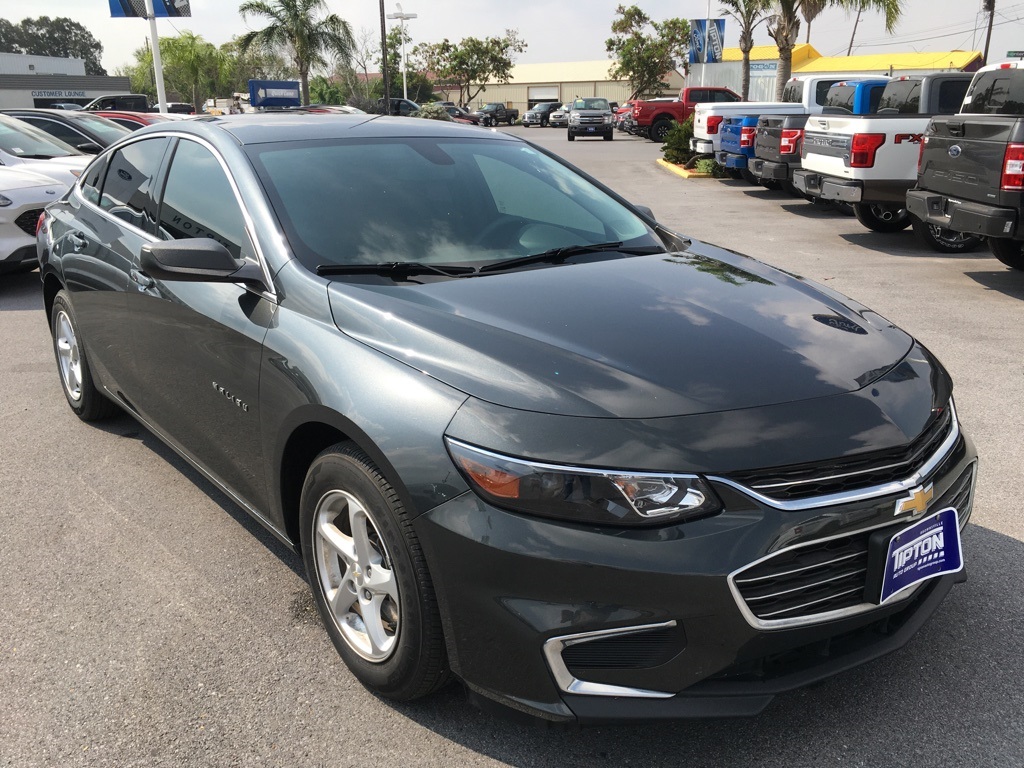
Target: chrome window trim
(842,613)
(250,227)
(567,683)
(47,118)
(861,494)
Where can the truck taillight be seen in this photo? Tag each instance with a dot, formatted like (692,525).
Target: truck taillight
(747,134)
(790,141)
(1013,169)
(863,149)
(714,121)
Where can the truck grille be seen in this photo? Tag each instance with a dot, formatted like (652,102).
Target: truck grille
(28,220)
(821,576)
(804,481)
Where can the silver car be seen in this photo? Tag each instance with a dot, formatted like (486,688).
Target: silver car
(560,117)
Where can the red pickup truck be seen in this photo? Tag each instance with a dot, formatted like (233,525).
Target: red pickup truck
(653,119)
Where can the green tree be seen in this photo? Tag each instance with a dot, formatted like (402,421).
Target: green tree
(470,65)
(192,67)
(295,27)
(810,11)
(239,68)
(645,50)
(325,91)
(748,14)
(59,36)
(784,27)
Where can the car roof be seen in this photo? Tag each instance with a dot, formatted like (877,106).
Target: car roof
(75,114)
(270,127)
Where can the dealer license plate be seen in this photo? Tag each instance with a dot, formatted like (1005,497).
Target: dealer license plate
(926,549)
(590,128)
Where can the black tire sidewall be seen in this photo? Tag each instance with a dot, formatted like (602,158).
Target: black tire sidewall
(92,405)
(924,232)
(1009,252)
(406,674)
(866,216)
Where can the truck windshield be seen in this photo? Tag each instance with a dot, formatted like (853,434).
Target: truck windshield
(591,104)
(998,92)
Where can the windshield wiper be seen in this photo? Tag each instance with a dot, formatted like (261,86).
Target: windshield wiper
(560,254)
(395,269)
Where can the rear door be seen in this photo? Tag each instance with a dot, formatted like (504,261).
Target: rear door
(199,344)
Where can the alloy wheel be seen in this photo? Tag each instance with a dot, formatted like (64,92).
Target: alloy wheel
(68,356)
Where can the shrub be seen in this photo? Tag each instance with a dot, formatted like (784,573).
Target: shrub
(677,142)
(432,112)
(708,165)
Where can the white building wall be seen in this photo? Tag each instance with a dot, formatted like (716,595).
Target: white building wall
(23,64)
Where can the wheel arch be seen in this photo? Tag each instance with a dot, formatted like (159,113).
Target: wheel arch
(51,287)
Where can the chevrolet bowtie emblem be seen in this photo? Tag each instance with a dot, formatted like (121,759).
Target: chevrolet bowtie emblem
(917,502)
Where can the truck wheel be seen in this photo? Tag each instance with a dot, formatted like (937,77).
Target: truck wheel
(571,137)
(882,218)
(1010,252)
(609,136)
(659,129)
(945,240)
(789,189)
(749,177)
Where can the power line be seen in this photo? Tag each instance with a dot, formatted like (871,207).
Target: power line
(955,33)
(974,22)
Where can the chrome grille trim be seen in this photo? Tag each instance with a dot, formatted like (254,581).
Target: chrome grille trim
(791,571)
(840,577)
(861,494)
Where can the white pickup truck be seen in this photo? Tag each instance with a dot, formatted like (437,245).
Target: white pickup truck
(802,94)
(870,161)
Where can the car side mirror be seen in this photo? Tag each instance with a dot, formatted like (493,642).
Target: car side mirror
(198,260)
(646,211)
(89,147)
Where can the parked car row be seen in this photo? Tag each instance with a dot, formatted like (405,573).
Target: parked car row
(653,118)
(942,153)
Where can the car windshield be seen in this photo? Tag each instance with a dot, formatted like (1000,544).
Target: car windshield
(106,129)
(434,201)
(591,104)
(23,140)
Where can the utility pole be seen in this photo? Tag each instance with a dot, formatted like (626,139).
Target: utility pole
(990,8)
(707,37)
(855,23)
(403,17)
(383,59)
(158,67)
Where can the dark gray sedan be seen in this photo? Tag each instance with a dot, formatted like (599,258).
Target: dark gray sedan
(522,435)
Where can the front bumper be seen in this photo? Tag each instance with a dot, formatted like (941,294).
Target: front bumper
(517,591)
(591,129)
(529,119)
(964,216)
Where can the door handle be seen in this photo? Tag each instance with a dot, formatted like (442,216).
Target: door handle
(144,280)
(78,242)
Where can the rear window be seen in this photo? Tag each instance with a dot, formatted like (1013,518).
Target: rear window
(840,97)
(902,95)
(793,93)
(999,92)
(951,96)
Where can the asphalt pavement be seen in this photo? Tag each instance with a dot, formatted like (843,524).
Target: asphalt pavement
(145,620)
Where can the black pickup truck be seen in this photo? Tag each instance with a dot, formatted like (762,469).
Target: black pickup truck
(971,173)
(777,149)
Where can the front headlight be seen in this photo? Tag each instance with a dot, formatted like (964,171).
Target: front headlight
(5,201)
(582,494)
(574,115)
(609,118)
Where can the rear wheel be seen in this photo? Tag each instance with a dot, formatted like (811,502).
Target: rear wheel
(1009,252)
(749,177)
(945,240)
(659,129)
(880,217)
(85,398)
(788,188)
(369,577)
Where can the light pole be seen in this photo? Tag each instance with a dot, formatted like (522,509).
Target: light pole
(403,17)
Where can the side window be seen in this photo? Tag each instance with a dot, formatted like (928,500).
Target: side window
(726,96)
(874,97)
(128,189)
(821,91)
(92,180)
(57,130)
(198,201)
(951,96)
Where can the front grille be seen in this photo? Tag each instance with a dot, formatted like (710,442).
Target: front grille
(28,220)
(640,650)
(865,470)
(823,576)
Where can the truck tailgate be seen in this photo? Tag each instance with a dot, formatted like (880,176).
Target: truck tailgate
(963,155)
(827,144)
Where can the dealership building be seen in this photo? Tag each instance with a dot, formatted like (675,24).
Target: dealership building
(39,81)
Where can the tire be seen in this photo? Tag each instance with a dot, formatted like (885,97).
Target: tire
(571,137)
(771,184)
(351,521)
(882,218)
(734,173)
(83,396)
(1009,252)
(749,177)
(789,189)
(609,136)
(659,129)
(945,240)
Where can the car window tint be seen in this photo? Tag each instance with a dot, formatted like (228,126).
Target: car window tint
(22,139)
(951,95)
(131,125)
(128,187)
(198,200)
(58,130)
(92,180)
(901,95)
(100,126)
(997,92)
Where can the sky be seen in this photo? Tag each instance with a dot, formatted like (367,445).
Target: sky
(560,31)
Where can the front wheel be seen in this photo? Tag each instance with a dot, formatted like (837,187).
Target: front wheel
(369,577)
(1009,252)
(945,240)
(85,398)
(571,136)
(609,136)
(882,218)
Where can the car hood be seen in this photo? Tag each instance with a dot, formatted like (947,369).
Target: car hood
(64,169)
(643,337)
(23,177)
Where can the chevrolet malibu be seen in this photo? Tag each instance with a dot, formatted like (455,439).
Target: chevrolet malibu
(522,435)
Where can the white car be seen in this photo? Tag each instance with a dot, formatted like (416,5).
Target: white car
(24,145)
(23,195)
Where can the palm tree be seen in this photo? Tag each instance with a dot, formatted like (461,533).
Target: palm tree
(748,14)
(784,26)
(294,27)
(811,10)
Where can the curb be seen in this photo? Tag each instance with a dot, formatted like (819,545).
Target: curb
(680,171)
